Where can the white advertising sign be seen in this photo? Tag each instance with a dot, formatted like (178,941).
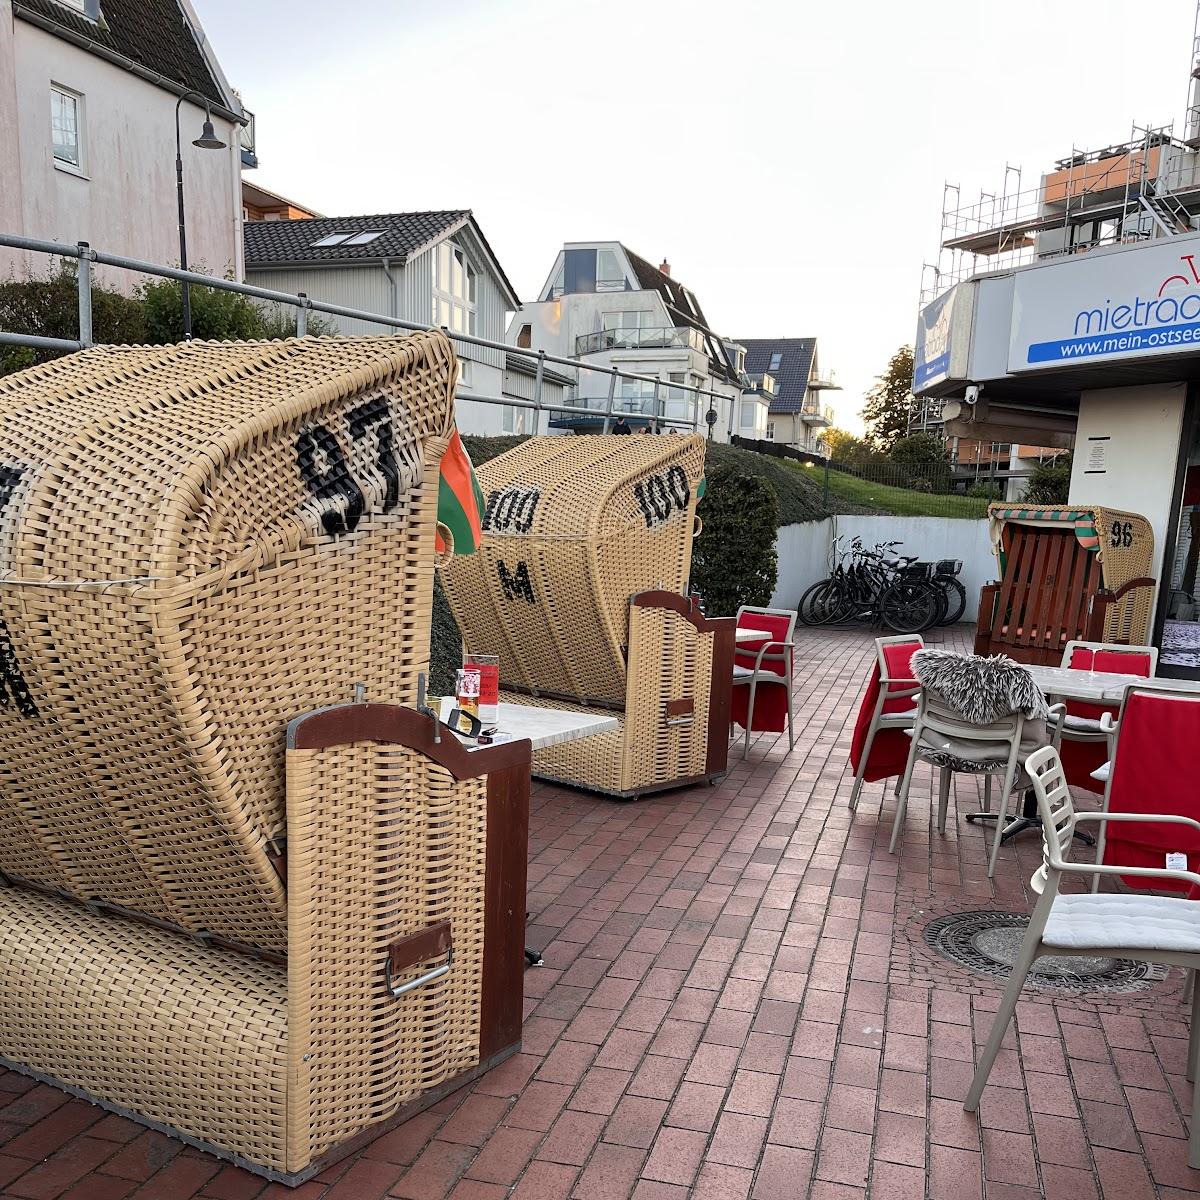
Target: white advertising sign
(931,352)
(1098,307)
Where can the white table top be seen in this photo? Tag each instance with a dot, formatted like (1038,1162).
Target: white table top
(749,635)
(546,726)
(1098,685)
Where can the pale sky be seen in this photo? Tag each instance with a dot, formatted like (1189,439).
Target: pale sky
(786,157)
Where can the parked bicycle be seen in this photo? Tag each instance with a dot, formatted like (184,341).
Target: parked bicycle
(882,587)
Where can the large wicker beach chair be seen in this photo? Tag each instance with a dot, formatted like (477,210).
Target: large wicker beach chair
(581,589)
(1067,573)
(199,544)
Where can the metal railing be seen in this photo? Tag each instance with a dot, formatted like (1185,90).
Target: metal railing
(650,337)
(86,255)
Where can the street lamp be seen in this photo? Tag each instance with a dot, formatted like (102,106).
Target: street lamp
(207,140)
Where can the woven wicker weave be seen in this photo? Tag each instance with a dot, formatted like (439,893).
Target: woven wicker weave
(173,596)
(197,544)
(575,528)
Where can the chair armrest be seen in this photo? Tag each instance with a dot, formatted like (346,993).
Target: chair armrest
(1141,872)
(1160,818)
(1109,724)
(1132,586)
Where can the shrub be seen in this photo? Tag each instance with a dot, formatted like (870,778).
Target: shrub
(733,559)
(49,307)
(1049,482)
(216,315)
(984,490)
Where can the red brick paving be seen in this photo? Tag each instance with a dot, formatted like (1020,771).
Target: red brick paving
(737,1003)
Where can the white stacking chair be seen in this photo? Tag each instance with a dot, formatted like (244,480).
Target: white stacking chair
(1159,929)
(778,628)
(1074,727)
(890,689)
(989,749)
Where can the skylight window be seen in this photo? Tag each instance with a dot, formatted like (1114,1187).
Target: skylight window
(348,239)
(776,360)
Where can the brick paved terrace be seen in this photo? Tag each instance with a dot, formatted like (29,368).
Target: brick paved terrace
(738,1002)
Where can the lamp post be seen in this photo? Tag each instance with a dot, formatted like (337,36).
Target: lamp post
(207,140)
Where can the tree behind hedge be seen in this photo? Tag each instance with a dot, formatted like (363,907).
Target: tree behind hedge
(734,560)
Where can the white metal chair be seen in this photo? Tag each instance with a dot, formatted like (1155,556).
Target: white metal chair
(1160,929)
(765,663)
(891,688)
(949,739)
(1080,723)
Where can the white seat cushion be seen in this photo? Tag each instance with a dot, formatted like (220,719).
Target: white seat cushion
(898,718)
(1108,922)
(1102,772)
(741,672)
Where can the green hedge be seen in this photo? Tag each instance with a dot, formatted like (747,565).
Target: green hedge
(733,559)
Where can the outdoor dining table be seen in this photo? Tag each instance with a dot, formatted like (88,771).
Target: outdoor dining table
(747,635)
(1070,684)
(546,727)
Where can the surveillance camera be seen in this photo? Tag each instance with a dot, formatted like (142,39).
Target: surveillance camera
(971,395)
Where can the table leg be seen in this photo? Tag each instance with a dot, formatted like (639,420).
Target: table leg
(1028,819)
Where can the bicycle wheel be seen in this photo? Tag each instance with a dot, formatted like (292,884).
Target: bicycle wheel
(814,604)
(956,599)
(908,606)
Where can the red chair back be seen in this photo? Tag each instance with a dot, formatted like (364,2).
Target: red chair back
(1118,662)
(1154,771)
(897,659)
(775,627)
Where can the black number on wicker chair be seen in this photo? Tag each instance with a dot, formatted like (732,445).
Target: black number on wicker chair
(331,481)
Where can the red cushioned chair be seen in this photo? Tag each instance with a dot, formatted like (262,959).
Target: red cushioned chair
(879,749)
(1153,772)
(1081,743)
(762,673)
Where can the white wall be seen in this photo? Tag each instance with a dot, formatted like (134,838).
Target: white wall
(126,203)
(804,550)
(1144,426)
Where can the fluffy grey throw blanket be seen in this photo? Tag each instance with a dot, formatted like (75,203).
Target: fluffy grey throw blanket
(981,689)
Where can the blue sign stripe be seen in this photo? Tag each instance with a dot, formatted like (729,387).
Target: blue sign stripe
(926,371)
(1125,342)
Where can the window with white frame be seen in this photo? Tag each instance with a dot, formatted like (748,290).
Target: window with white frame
(636,396)
(66,127)
(89,8)
(770,431)
(455,288)
(632,319)
(749,414)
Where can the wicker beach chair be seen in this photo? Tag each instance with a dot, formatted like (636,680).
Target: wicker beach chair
(1075,573)
(241,944)
(581,589)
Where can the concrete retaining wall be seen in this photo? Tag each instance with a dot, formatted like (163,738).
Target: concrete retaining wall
(804,550)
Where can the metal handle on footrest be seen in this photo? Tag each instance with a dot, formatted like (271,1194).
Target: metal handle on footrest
(398,990)
(417,947)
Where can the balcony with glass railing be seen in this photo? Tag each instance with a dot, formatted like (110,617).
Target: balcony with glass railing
(653,337)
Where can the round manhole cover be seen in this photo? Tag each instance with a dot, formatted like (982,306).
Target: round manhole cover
(989,942)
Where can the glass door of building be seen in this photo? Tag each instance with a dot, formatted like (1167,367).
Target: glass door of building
(1179,602)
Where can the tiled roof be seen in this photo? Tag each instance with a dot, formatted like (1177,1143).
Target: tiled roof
(684,308)
(285,243)
(791,377)
(152,33)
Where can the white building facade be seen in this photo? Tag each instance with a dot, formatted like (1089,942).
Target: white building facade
(88,92)
(612,309)
(430,268)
